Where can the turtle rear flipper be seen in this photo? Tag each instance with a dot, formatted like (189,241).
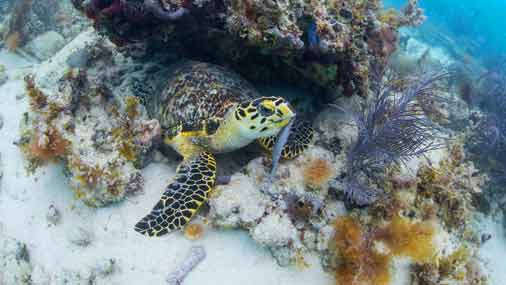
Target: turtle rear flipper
(301,135)
(195,178)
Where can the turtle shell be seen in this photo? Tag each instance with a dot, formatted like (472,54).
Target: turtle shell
(198,96)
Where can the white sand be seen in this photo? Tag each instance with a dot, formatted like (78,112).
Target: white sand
(494,250)
(232,257)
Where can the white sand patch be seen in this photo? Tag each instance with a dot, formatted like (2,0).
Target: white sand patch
(494,250)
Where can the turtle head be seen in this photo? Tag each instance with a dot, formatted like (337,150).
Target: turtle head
(263,117)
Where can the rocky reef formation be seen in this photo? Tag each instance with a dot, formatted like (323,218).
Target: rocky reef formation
(39,27)
(330,44)
(89,119)
(425,222)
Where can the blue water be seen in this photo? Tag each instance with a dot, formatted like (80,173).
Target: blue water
(478,27)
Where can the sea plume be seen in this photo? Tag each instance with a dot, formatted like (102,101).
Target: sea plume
(392,129)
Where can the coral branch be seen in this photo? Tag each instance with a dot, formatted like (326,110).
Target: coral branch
(194,257)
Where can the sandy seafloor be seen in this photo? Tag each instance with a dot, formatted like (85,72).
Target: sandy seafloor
(232,257)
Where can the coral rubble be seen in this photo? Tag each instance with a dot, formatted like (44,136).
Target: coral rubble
(195,256)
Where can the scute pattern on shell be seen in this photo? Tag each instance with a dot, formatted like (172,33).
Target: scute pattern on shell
(199,92)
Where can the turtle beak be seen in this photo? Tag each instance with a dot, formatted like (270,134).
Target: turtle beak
(287,111)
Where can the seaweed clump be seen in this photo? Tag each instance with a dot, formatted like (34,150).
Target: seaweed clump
(451,189)
(364,253)
(460,266)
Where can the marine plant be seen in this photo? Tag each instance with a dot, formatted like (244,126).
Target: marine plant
(363,254)
(459,266)
(391,130)
(450,188)
(37,99)
(42,147)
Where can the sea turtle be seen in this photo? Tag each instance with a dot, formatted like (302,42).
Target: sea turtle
(206,109)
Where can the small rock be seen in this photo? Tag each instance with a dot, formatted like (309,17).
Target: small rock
(83,277)
(1,122)
(274,231)
(3,75)
(20,96)
(283,255)
(80,236)
(232,208)
(53,216)
(337,130)
(105,267)
(323,238)
(39,276)
(46,45)
(15,267)
(79,58)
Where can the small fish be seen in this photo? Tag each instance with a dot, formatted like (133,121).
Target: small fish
(278,147)
(313,38)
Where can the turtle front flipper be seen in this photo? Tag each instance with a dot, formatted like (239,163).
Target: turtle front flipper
(301,135)
(195,178)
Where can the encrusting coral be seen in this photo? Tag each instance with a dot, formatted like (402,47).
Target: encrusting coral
(317,172)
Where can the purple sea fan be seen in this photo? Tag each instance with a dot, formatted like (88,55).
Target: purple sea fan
(393,129)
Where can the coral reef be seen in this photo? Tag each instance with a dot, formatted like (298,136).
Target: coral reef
(91,111)
(332,43)
(84,119)
(433,230)
(289,216)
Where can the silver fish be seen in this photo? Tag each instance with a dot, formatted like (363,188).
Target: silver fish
(278,147)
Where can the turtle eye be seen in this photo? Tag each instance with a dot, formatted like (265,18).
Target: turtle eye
(264,111)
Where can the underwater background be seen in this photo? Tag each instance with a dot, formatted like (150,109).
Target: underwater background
(474,27)
(133,146)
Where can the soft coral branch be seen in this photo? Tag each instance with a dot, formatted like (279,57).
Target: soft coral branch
(393,129)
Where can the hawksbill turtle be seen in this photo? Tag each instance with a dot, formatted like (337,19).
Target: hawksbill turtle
(206,109)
